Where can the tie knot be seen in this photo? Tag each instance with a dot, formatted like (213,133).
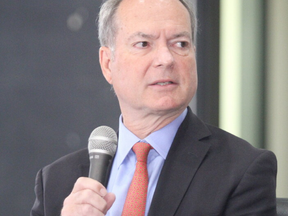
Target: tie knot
(141,150)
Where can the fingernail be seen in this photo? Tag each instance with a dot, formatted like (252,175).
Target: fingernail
(103,192)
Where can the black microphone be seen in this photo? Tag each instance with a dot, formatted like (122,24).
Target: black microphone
(102,145)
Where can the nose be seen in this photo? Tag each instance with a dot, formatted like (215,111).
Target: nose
(163,57)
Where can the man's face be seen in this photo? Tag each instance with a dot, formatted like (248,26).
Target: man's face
(153,67)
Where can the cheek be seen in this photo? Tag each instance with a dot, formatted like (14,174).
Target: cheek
(194,79)
(189,71)
(118,69)
(129,71)
(122,77)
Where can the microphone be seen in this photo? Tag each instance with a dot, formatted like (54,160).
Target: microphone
(102,145)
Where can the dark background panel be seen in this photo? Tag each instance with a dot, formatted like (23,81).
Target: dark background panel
(208,51)
(52,92)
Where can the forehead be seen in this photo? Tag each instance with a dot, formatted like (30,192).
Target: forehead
(134,14)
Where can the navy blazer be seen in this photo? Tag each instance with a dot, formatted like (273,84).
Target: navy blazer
(207,172)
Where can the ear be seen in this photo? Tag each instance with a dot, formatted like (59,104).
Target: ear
(105,55)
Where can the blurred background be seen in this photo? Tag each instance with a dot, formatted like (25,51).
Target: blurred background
(53,94)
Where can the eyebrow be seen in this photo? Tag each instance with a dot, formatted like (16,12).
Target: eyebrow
(143,35)
(182,34)
(150,36)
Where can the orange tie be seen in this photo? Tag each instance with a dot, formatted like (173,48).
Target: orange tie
(136,198)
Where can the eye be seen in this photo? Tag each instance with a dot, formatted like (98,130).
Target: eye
(142,44)
(182,44)
(181,47)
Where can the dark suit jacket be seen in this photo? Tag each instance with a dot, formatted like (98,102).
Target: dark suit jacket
(207,172)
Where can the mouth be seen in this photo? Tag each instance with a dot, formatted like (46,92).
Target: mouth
(163,83)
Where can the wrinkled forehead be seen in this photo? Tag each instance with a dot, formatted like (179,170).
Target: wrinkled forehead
(140,12)
(146,6)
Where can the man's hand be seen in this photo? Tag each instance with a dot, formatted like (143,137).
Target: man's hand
(88,197)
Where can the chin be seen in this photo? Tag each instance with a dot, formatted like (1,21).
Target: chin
(169,107)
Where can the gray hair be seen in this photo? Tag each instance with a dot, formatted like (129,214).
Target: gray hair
(107,27)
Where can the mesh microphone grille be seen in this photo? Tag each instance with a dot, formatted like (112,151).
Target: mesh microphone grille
(103,138)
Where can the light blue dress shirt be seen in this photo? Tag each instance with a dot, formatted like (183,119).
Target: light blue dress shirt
(125,161)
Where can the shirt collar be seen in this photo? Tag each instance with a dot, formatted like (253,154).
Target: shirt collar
(161,140)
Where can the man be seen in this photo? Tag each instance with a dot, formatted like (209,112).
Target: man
(148,55)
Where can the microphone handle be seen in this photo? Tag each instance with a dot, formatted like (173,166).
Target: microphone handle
(99,163)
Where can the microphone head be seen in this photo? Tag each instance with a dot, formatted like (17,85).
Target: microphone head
(103,139)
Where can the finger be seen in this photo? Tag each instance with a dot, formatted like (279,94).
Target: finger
(87,196)
(77,210)
(109,198)
(83,183)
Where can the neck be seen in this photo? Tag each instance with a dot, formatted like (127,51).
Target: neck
(144,124)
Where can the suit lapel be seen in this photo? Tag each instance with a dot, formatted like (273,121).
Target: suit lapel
(183,160)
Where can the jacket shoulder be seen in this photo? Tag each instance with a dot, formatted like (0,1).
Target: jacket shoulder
(69,161)
(55,182)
